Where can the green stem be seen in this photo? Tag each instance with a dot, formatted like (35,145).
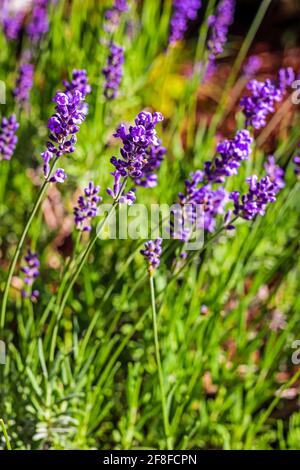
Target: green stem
(17,252)
(5,434)
(159,367)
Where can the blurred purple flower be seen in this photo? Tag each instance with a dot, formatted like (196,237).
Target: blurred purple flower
(252,66)
(39,23)
(8,138)
(113,71)
(87,207)
(24,84)
(31,273)
(219,25)
(275,173)
(113,15)
(183,12)
(152,254)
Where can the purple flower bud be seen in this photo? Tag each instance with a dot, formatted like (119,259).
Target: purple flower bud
(128,198)
(31,272)
(8,138)
(113,71)
(183,12)
(113,15)
(152,253)
(252,65)
(39,23)
(275,173)
(24,84)
(59,176)
(219,26)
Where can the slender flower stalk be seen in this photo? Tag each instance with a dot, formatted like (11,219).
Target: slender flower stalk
(152,253)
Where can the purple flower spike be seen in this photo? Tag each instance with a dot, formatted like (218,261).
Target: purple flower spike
(183,12)
(219,26)
(39,22)
(113,72)
(87,207)
(252,66)
(152,254)
(139,145)
(113,15)
(231,153)
(79,82)
(275,173)
(255,202)
(286,77)
(31,273)
(8,138)
(24,84)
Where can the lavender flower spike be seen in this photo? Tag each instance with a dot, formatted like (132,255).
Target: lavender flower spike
(31,272)
(254,203)
(8,138)
(113,15)
(138,144)
(87,207)
(152,253)
(219,25)
(275,173)
(184,10)
(128,198)
(231,153)
(39,22)
(23,84)
(113,72)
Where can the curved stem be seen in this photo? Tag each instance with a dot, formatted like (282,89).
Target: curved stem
(159,368)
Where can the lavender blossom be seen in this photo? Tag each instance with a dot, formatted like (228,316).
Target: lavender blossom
(23,84)
(138,144)
(59,176)
(286,77)
(31,272)
(275,173)
(79,82)
(8,138)
(255,202)
(113,15)
(113,71)
(152,254)
(127,198)
(183,12)
(219,26)
(64,125)
(12,24)
(155,157)
(87,207)
(39,22)
(231,153)
(252,65)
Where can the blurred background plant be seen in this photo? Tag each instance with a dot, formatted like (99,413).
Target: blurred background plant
(228,320)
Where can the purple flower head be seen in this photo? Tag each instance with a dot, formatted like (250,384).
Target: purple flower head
(286,77)
(39,22)
(79,82)
(113,71)
(64,124)
(8,138)
(252,66)
(113,15)
(183,12)
(155,158)
(219,26)
(230,155)
(128,198)
(12,24)
(87,207)
(200,206)
(31,273)
(275,173)
(137,151)
(59,176)
(254,203)
(23,84)
(152,254)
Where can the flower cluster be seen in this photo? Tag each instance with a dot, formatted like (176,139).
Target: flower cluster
(230,155)
(87,207)
(125,198)
(184,11)
(79,82)
(23,84)
(39,22)
(152,254)
(219,26)
(113,15)
(275,173)
(254,203)
(12,24)
(155,157)
(138,143)
(264,95)
(8,138)
(113,71)
(31,273)
(64,125)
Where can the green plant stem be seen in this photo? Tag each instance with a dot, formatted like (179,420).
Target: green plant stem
(8,445)
(18,250)
(159,367)
(78,270)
